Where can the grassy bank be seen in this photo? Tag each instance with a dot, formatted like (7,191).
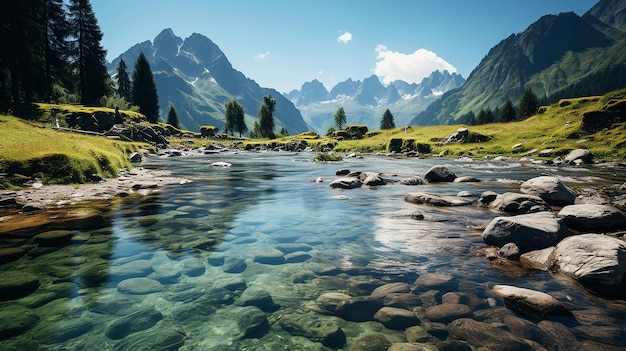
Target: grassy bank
(33,148)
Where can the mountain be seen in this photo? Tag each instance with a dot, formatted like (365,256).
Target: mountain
(556,56)
(195,77)
(366,101)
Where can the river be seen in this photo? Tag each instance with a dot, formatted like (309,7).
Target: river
(176,268)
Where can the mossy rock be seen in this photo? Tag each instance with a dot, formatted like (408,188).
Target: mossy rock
(15,284)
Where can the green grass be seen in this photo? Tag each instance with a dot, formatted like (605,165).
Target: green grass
(32,148)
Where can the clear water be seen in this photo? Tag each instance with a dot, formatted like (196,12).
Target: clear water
(345,240)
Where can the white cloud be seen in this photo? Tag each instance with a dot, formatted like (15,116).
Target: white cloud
(412,68)
(262,55)
(345,37)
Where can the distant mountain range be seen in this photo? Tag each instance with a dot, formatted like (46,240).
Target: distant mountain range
(558,56)
(195,77)
(365,101)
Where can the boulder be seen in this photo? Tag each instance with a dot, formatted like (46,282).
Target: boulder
(529,232)
(329,301)
(257,297)
(447,312)
(439,174)
(11,254)
(510,251)
(550,189)
(396,318)
(481,334)
(54,238)
(530,302)
(16,284)
(516,203)
(371,179)
(135,157)
(359,309)
(436,200)
(390,288)
(487,197)
(593,218)
(234,265)
(325,330)
(592,259)
(346,183)
(537,259)
(412,181)
(579,156)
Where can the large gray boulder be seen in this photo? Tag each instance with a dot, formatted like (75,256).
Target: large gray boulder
(592,259)
(439,174)
(550,189)
(516,203)
(527,301)
(346,183)
(579,156)
(529,232)
(593,218)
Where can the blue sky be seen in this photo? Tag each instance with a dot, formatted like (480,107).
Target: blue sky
(283,43)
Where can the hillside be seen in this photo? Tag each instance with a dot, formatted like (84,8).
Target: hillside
(557,56)
(195,76)
(366,101)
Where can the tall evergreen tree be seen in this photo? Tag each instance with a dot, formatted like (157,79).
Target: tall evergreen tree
(123,81)
(89,56)
(144,92)
(528,104)
(387,121)
(484,116)
(235,118)
(57,46)
(507,112)
(340,117)
(172,117)
(266,117)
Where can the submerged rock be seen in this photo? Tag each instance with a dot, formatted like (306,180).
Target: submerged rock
(592,259)
(251,321)
(132,323)
(325,330)
(481,334)
(329,301)
(530,302)
(15,320)
(139,286)
(164,339)
(15,284)
(549,189)
(447,312)
(346,183)
(396,318)
(359,309)
(69,329)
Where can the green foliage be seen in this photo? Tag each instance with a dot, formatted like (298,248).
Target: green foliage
(528,104)
(123,81)
(327,157)
(144,93)
(340,118)
(234,118)
(387,121)
(507,112)
(266,118)
(172,117)
(283,132)
(330,131)
(485,116)
(114,100)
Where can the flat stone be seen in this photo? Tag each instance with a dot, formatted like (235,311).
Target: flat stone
(390,288)
(447,312)
(193,267)
(530,302)
(234,265)
(429,281)
(328,301)
(294,247)
(139,286)
(11,254)
(529,231)
(537,259)
(165,339)
(396,318)
(54,238)
(271,257)
(296,257)
(251,321)
(417,334)
(16,284)
(133,269)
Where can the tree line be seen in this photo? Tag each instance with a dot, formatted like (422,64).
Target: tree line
(527,106)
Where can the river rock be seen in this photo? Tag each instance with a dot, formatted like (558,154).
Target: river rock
(487,197)
(593,218)
(439,174)
(435,200)
(11,254)
(257,297)
(359,309)
(15,320)
(480,334)
(234,265)
(293,247)
(516,203)
(16,284)
(54,238)
(270,256)
(251,321)
(402,300)
(560,335)
(163,339)
(405,346)
(529,302)
(342,172)
(510,251)
(412,181)
(537,259)
(390,288)
(371,342)
(592,259)
(417,334)
(396,318)
(139,286)
(68,329)
(193,267)
(529,232)
(135,157)
(579,156)
(328,301)
(447,312)
(132,323)
(346,183)
(550,189)
(133,269)
(325,330)
(526,329)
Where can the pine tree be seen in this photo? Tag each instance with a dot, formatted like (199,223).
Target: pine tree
(57,47)
(123,81)
(528,104)
(266,117)
(144,93)
(172,117)
(235,118)
(340,118)
(387,121)
(89,55)
(507,112)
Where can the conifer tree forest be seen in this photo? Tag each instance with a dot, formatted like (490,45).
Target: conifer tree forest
(46,38)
